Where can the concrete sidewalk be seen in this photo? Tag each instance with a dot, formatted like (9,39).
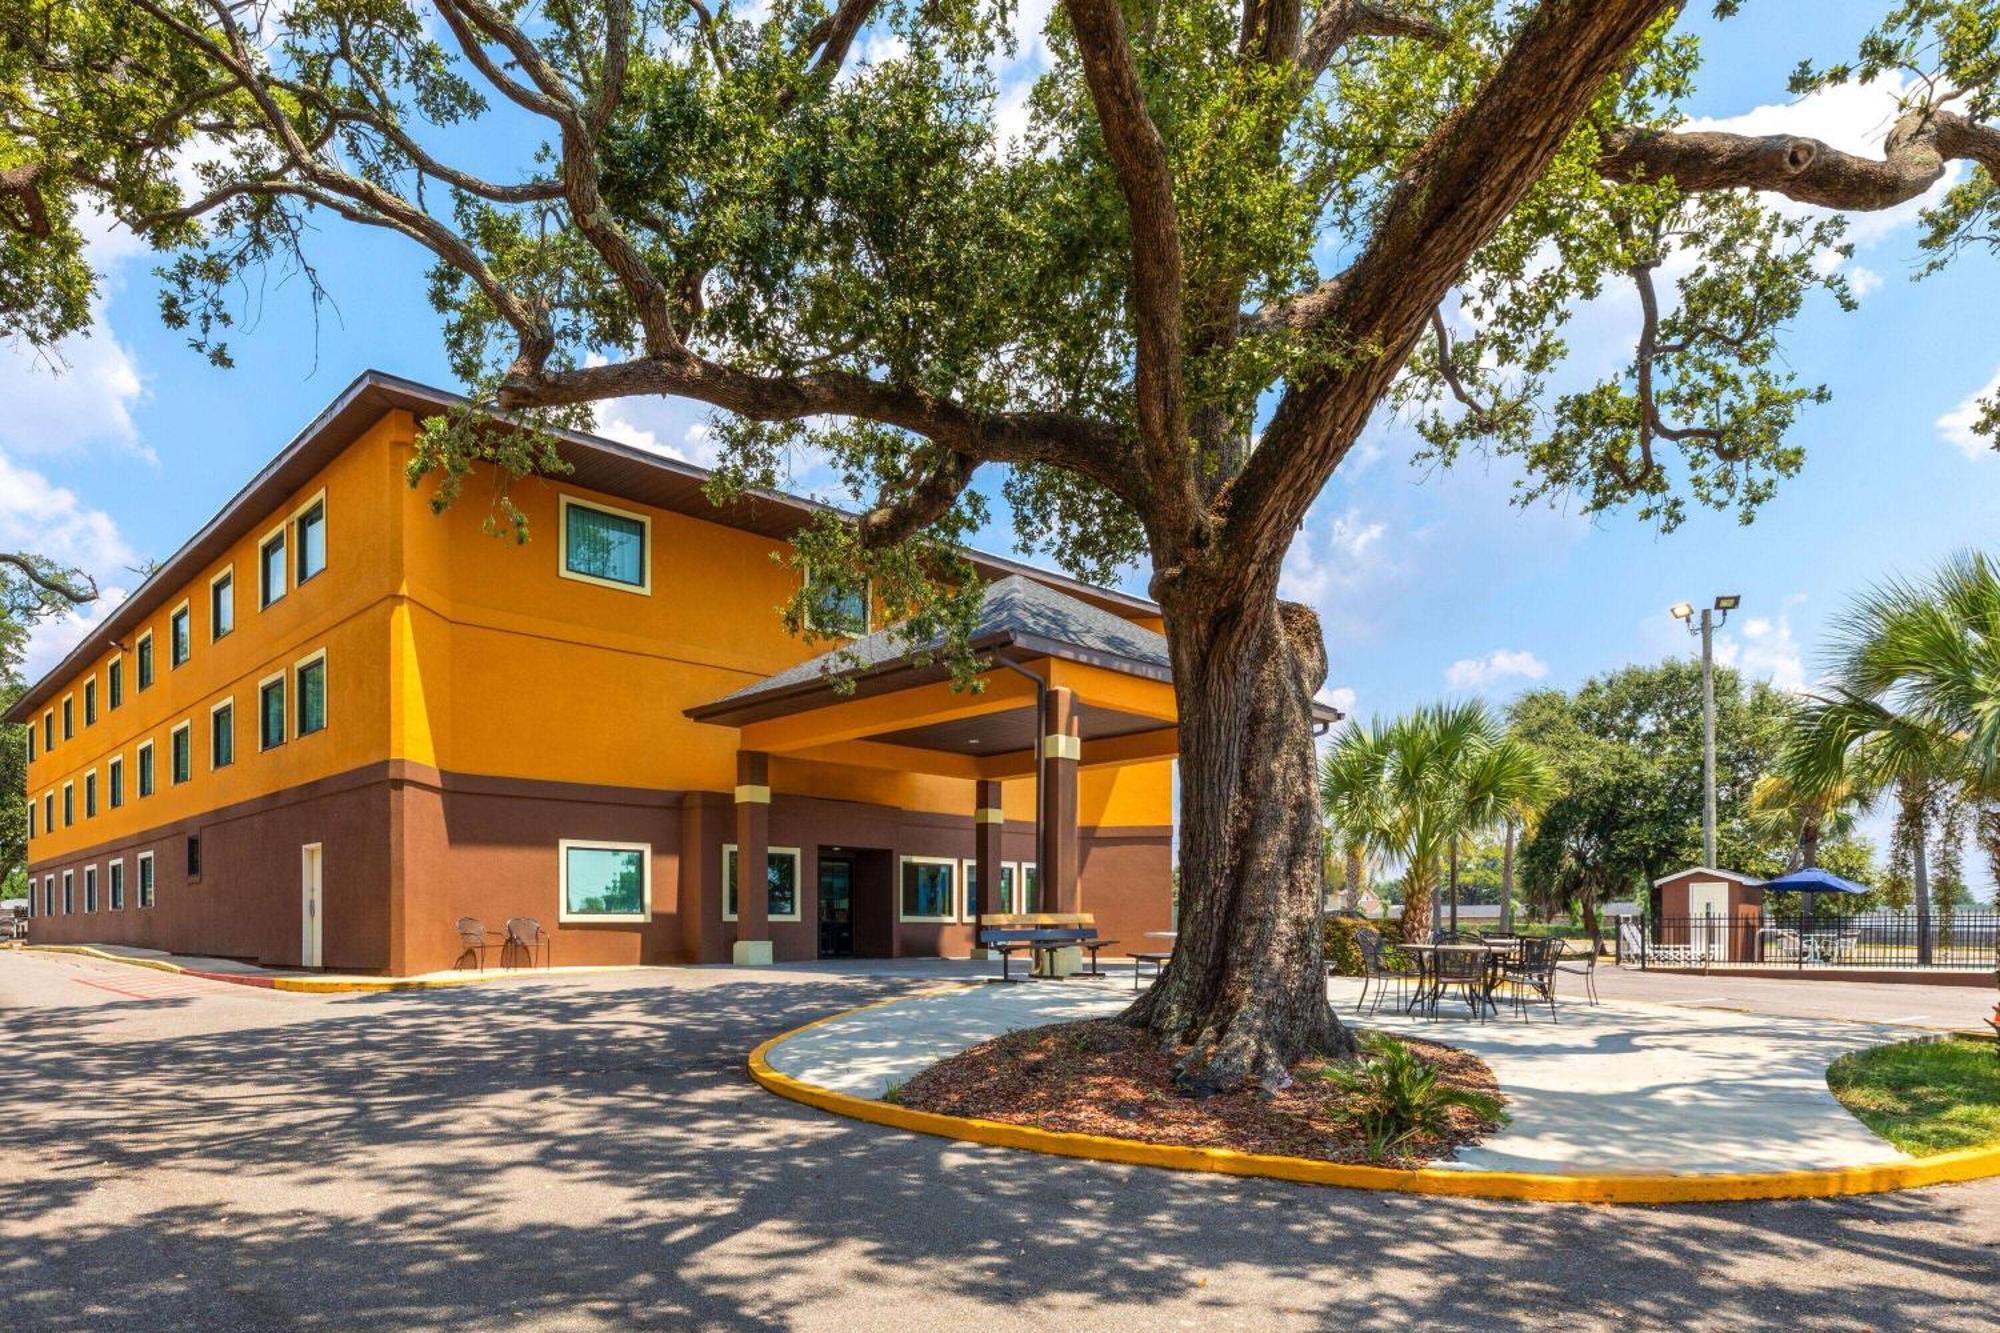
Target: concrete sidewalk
(1619,1088)
(250,974)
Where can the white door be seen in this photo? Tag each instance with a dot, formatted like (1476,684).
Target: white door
(1708,926)
(311,913)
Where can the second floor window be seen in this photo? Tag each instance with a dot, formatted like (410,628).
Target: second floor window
(90,795)
(115,783)
(145,651)
(183,752)
(604,546)
(271,713)
(146,769)
(311,697)
(180,636)
(69,804)
(222,736)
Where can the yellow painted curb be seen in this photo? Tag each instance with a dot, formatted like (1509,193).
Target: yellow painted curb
(316,985)
(1603,1187)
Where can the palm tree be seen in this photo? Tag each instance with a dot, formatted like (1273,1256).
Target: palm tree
(1912,707)
(1410,788)
(1784,808)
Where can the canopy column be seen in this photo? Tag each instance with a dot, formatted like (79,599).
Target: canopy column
(753,855)
(1062,748)
(989,825)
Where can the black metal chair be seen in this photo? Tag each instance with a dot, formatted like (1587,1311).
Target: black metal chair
(1379,970)
(1533,972)
(1580,965)
(1467,971)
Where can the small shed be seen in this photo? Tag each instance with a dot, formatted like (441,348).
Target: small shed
(1718,909)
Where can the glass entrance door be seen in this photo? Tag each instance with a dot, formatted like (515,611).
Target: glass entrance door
(836,908)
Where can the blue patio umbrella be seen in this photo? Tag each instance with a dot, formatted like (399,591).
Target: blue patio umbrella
(1813,880)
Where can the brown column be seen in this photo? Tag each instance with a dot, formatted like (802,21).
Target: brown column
(1062,746)
(989,823)
(753,850)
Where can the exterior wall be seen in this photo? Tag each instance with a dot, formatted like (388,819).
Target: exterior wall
(480,708)
(1744,915)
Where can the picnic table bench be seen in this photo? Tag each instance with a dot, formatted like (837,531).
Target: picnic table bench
(1042,933)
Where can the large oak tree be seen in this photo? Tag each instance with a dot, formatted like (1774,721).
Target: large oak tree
(1164,310)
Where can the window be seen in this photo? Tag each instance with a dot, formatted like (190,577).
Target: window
(194,855)
(48,812)
(969,902)
(606,546)
(145,768)
(69,804)
(31,819)
(222,604)
(182,762)
(271,711)
(222,734)
(180,635)
(115,781)
(606,881)
(31,742)
(90,794)
(312,539)
(48,731)
(781,883)
(114,680)
(90,701)
(69,892)
(1031,897)
(48,895)
(118,885)
(145,651)
(929,889)
(145,869)
(311,695)
(69,716)
(832,608)
(271,568)
(90,888)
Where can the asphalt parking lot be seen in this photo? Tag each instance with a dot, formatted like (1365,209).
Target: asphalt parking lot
(587,1153)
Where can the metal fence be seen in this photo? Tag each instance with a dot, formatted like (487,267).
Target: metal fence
(1965,941)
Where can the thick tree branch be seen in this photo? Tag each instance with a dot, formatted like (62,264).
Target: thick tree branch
(1096,449)
(1297,313)
(1914,158)
(927,495)
(25,184)
(1339,22)
(1453,196)
(832,37)
(73,587)
(1146,180)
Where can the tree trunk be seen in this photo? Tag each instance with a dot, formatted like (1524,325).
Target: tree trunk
(1244,996)
(1920,883)
(1453,882)
(1356,870)
(1419,897)
(1507,880)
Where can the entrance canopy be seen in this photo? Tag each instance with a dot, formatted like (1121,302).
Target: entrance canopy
(1116,675)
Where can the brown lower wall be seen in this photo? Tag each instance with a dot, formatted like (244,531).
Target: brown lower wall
(406,851)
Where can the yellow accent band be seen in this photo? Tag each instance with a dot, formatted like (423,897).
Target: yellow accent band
(1966,1164)
(749,794)
(989,814)
(1062,747)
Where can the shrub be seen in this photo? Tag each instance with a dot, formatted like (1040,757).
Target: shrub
(1337,942)
(1396,1096)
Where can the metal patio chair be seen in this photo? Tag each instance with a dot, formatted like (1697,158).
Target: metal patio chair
(1379,970)
(1580,965)
(526,933)
(1533,972)
(472,940)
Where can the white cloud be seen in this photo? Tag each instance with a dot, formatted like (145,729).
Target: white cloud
(1341,698)
(48,519)
(1763,648)
(1956,425)
(1328,557)
(1479,673)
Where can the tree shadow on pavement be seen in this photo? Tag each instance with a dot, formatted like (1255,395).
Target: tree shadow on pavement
(592,1154)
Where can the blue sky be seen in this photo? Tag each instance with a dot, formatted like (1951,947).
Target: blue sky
(1426,584)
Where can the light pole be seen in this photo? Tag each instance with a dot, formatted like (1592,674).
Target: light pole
(1710,618)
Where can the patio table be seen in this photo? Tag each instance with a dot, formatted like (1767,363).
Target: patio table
(1429,988)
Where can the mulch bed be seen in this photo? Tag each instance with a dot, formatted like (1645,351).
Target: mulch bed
(1101,1077)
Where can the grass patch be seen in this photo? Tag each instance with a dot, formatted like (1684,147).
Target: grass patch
(1926,1097)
